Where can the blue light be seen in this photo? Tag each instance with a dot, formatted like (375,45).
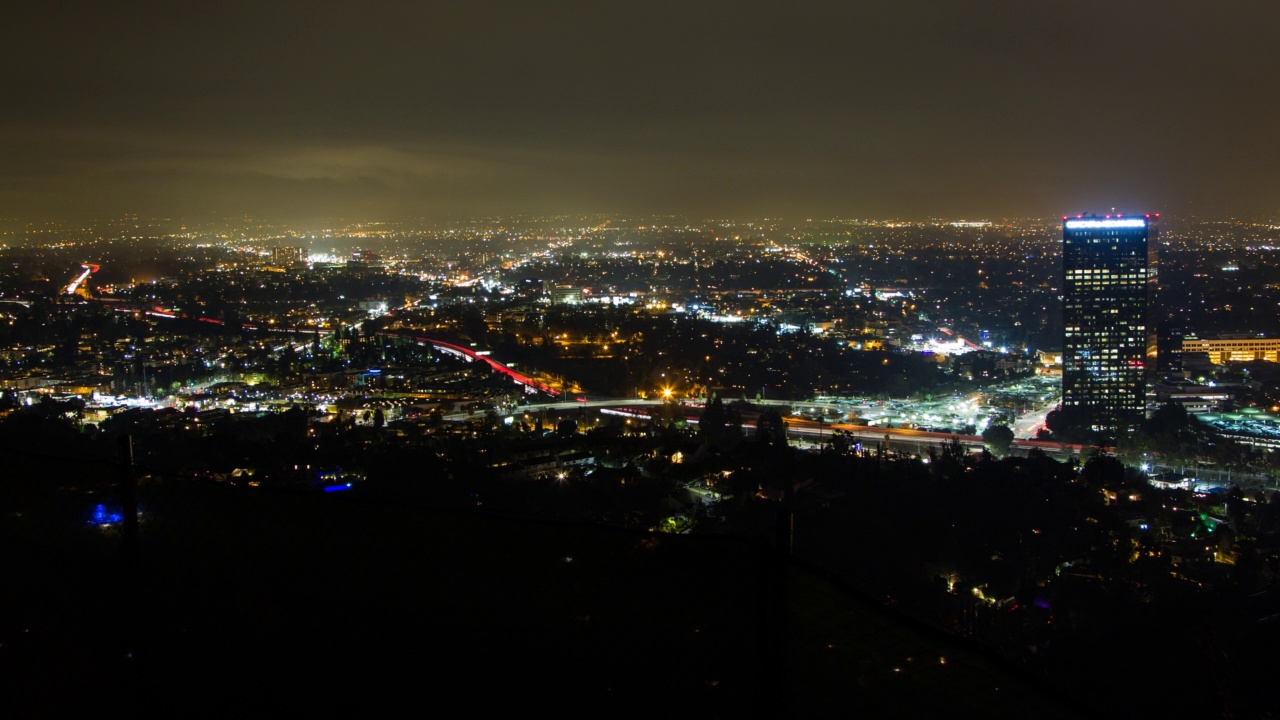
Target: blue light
(1104,224)
(337,488)
(103,516)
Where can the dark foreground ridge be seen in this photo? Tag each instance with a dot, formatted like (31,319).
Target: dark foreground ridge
(249,602)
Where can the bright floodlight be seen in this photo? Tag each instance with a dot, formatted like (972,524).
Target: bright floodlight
(1103,224)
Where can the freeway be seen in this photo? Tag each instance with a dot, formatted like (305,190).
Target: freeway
(903,439)
(530,385)
(74,285)
(918,440)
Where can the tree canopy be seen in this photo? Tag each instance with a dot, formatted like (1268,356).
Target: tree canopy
(998,439)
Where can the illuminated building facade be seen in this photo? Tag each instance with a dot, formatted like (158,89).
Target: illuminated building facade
(1109,340)
(288,257)
(566,295)
(1234,349)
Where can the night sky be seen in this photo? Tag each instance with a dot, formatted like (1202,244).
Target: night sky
(307,111)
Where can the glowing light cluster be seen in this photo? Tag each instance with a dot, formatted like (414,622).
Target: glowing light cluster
(103,515)
(1091,224)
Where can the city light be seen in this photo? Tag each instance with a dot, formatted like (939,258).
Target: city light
(102,515)
(539,360)
(1105,224)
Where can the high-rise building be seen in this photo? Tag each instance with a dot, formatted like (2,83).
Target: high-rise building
(1170,344)
(1108,344)
(288,257)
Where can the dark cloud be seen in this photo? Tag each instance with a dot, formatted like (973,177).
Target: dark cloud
(850,108)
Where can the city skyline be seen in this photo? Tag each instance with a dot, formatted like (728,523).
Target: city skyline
(302,114)
(485,403)
(725,359)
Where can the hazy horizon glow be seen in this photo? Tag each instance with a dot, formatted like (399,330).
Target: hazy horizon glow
(294,111)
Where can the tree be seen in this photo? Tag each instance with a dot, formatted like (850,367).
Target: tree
(998,439)
(1170,418)
(771,429)
(733,420)
(287,361)
(954,451)
(567,428)
(1068,422)
(841,442)
(669,412)
(712,423)
(1102,469)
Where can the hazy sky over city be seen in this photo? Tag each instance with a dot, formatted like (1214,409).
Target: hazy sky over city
(309,110)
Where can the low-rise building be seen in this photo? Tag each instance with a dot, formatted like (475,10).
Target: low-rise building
(1234,348)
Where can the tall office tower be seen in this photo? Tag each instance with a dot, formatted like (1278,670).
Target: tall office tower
(1170,342)
(1108,334)
(288,257)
